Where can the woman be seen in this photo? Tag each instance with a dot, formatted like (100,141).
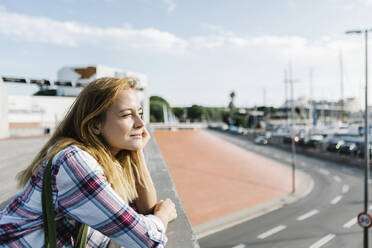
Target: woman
(98,177)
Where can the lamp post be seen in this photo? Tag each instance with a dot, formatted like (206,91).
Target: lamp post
(293,145)
(366,131)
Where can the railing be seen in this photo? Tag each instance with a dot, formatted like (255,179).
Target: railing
(177,126)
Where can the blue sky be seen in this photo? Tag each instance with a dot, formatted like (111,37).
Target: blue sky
(193,52)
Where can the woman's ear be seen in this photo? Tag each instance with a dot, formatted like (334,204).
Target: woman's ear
(97,127)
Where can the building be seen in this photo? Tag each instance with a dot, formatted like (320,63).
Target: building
(324,110)
(31,115)
(78,77)
(4,128)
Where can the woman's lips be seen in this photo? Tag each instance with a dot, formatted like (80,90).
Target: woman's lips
(136,136)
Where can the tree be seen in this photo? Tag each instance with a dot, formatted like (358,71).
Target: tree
(231,104)
(196,113)
(180,113)
(156,108)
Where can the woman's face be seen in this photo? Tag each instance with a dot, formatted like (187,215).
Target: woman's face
(123,126)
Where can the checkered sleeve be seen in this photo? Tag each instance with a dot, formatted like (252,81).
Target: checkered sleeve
(85,195)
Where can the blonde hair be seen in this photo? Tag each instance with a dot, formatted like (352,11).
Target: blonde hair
(89,108)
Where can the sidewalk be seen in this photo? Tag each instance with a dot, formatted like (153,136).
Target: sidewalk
(215,179)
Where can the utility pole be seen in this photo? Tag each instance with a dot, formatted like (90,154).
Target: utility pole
(290,80)
(286,97)
(311,114)
(366,132)
(342,87)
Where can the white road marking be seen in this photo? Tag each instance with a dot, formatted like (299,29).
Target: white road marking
(369,181)
(350,223)
(336,199)
(307,215)
(265,151)
(303,164)
(345,189)
(370,208)
(239,246)
(276,155)
(271,232)
(324,171)
(323,241)
(337,178)
(288,160)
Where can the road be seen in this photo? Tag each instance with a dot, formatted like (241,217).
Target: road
(15,155)
(325,218)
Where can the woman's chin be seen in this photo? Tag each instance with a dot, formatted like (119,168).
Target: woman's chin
(134,147)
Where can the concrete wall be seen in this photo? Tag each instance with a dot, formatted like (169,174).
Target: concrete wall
(4,128)
(179,232)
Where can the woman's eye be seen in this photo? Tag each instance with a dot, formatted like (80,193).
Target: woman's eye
(126,115)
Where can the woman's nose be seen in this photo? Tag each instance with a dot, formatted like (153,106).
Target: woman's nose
(138,122)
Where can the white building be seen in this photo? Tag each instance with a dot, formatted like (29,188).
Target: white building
(29,115)
(4,128)
(81,76)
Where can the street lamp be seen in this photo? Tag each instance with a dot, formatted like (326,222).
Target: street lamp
(293,145)
(366,131)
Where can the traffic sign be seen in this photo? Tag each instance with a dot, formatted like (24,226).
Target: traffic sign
(364,220)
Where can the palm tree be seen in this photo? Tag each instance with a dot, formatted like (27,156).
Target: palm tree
(231,104)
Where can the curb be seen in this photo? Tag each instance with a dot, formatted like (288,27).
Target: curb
(234,219)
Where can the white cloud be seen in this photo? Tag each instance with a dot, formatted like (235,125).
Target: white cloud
(349,6)
(216,29)
(281,45)
(171,5)
(69,33)
(291,3)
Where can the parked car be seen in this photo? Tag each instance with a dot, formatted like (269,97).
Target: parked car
(361,150)
(349,148)
(261,140)
(287,139)
(335,145)
(314,141)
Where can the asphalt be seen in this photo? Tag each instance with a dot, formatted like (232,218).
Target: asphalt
(221,184)
(324,218)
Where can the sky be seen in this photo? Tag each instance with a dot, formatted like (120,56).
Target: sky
(195,51)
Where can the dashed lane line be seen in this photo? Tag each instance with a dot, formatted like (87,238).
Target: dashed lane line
(350,223)
(323,241)
(307,215)
(324,171)
(337,178)
(336,199)
(271,232)
(303,164)
(239,246)
(276,155)
(345,189)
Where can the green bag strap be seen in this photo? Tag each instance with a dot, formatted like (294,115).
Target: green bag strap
(48,215)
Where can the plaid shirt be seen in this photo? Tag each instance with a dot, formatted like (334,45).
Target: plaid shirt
(81,194)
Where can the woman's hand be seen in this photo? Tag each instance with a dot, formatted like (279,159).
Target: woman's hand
(166,211)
